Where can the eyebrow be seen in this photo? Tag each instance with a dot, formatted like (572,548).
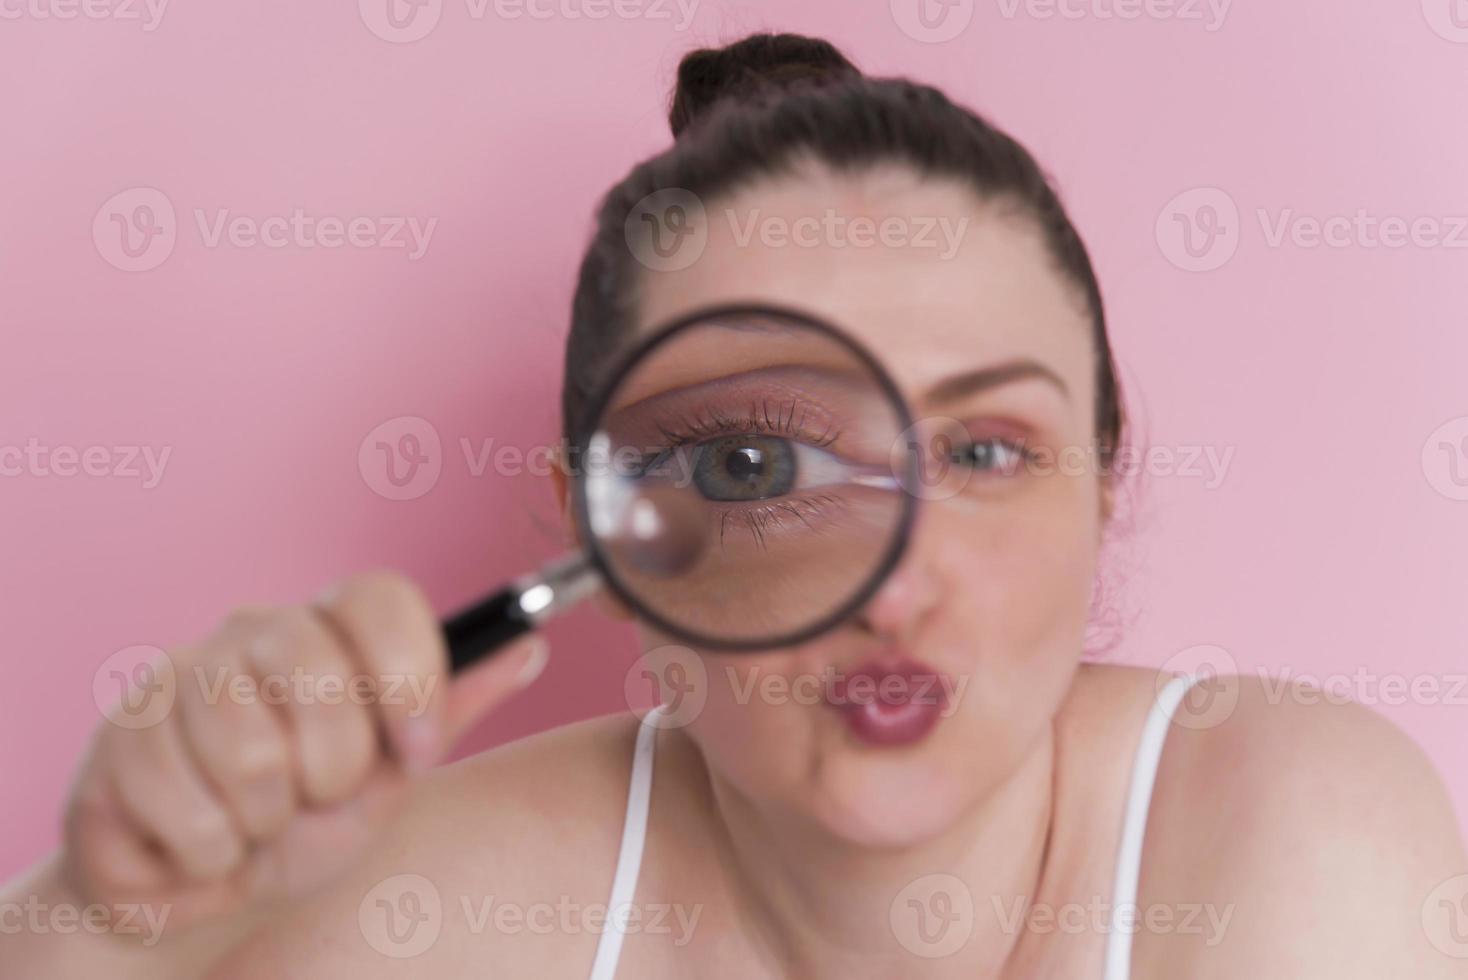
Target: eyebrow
(981,379)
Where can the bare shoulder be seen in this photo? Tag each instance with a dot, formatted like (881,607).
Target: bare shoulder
(1295,835)
(495,866)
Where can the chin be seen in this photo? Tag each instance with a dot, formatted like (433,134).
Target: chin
(885,803)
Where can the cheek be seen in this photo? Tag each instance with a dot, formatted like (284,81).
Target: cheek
(748,713)
(755,727)
(1019,575)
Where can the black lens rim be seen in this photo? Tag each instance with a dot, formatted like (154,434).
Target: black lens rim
(586,430)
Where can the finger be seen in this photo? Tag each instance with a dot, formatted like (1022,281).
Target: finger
(106,854)
(492,681)
(303,670)
(324,842)
(241,742)
(392,630)
(169,800)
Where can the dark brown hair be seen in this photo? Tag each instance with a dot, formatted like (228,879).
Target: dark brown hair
(749,110)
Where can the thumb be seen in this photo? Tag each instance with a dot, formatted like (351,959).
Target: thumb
(477,690)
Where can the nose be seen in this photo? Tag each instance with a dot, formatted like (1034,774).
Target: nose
(906,598)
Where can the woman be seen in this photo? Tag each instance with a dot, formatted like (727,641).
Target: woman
(1037,817)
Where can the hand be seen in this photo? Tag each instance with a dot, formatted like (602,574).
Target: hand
(290,739)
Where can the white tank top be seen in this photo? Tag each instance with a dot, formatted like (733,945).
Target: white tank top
(1128,855)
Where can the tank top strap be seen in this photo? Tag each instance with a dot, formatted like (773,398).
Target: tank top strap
(1134,825)
(629,858)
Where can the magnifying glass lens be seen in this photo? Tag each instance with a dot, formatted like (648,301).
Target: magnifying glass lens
(741,486)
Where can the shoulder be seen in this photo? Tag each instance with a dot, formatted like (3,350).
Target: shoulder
(488,859)
(1299,833)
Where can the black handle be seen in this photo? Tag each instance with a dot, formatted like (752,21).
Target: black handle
(484,627)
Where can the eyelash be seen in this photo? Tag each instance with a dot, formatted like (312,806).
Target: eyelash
(758,520)
(710,424)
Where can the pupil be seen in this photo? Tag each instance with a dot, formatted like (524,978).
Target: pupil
(745,464)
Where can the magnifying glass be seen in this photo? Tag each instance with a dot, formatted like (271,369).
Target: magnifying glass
(739,484)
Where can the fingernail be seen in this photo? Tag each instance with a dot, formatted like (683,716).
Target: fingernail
(420,744)
(328,595)
(539,656)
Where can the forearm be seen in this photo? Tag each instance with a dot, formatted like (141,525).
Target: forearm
(47,931)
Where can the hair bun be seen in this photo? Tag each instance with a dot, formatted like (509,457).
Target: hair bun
(759,61)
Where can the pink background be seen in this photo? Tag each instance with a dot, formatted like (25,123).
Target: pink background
(1335,543)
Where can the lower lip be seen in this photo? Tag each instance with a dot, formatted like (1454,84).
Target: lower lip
(890,705)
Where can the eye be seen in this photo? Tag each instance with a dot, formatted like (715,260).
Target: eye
(745,467)
(990,455)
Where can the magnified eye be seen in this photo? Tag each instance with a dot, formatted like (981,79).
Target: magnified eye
(745,467)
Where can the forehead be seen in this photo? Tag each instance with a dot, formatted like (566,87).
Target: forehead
(925,274)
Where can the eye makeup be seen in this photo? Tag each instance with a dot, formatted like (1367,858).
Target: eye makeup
(765,450)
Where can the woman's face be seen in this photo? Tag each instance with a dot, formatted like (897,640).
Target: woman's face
(982,622)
